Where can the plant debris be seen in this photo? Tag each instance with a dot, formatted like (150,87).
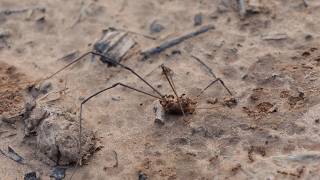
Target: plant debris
(13,155)
(114,44)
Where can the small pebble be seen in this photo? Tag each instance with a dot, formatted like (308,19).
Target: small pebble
(4,34)
(58,173)
(308,37)
(142,176)
(212,101)
(156,27)
(30,176)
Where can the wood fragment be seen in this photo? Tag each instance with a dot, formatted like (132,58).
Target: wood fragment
(11,154)
(58,95)
(159,113)
(278,36)
(114,44)
(170,43)
(116,158)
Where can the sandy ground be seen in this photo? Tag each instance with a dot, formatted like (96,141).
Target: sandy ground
(272,132)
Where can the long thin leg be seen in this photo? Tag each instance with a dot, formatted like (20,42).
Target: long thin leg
(109,60)
(214,81)
(205,65)
(169,79)
(96,94)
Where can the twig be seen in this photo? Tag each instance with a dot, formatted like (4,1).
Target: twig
(53,92)
(278,36)
(23,10)
(205,65)
(167,44)
(11,154)
(116,158)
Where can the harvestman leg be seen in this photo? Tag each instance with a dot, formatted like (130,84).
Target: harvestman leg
(96,94)
(213,82)
(169,79)
(109,60)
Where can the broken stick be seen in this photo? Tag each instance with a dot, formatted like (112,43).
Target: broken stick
(11,154)
(23,10)
(167,44)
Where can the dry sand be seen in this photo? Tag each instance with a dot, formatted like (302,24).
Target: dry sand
(272,133)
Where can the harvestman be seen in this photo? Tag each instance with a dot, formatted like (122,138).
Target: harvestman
(172,104)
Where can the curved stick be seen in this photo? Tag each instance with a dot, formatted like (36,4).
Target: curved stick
(214,81)
(109,60)
(97,93)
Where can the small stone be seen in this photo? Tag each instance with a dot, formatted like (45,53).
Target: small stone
(58,173)
(31,176)
(212,101)
(4,34)
(156,27)
(198,19)
(142,176)
(308,37)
